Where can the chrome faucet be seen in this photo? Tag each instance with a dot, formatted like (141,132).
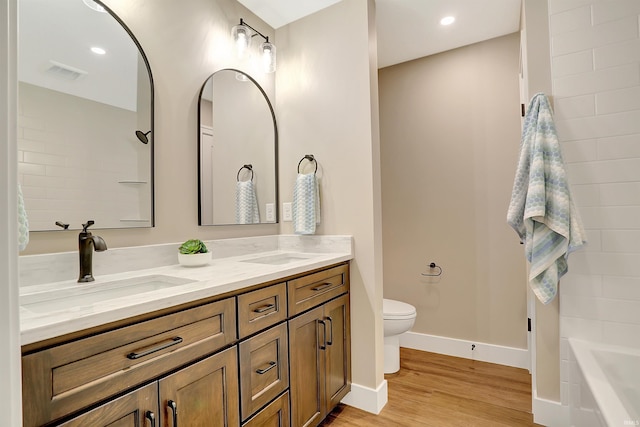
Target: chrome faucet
(85,239)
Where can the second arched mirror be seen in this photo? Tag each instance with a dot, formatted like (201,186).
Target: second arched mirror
(237,152)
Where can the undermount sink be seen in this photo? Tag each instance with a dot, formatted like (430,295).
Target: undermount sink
(88,294)
(277,259)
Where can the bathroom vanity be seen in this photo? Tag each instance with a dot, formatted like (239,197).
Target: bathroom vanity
(248,340)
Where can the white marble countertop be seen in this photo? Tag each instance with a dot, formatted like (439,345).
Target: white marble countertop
(222,275)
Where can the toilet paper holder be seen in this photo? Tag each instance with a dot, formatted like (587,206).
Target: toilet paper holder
(433,266)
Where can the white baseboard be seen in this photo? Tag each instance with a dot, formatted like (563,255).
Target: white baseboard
(484,352)
(367,399)
(549,413)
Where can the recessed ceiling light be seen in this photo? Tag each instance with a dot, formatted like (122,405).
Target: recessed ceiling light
(447,20)
(98,50)
(95,6)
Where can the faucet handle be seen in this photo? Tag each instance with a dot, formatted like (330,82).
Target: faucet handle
(87,225)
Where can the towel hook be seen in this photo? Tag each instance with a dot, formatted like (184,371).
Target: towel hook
(432,266)
(310,158)
(240,170)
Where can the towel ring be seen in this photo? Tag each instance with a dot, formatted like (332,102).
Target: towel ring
(311,159)
(240,170)
(432,266)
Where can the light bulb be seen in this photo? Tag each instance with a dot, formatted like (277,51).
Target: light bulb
(242,38)
(268,57)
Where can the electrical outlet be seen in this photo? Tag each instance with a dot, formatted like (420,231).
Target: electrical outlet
(286,212)
(271,214)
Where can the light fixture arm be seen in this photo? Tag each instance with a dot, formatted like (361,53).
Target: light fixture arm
(266,38)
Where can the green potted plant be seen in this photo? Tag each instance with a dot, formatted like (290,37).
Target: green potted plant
(193,253)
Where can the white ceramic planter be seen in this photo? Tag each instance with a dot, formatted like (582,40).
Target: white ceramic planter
(194,260)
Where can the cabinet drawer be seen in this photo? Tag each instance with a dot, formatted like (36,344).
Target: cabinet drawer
(264,368)
(317,288)
(276,414)
(260,309)
(68,377)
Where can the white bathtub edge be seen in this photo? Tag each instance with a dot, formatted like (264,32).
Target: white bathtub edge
(609,405)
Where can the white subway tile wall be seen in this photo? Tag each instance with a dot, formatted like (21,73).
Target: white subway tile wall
(66,166)
(596,88)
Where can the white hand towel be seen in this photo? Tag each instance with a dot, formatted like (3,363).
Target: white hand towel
(23,222)
(306,204)
(541,210)
(246,203)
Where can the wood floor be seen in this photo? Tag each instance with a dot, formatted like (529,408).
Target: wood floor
(440,391)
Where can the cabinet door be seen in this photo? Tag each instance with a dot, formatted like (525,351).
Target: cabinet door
(204,394)
(306,336)
(338,352)
(135,409)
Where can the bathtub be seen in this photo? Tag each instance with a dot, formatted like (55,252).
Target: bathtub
(604,385)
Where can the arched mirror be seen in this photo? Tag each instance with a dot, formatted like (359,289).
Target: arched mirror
(238,146)
(85,117)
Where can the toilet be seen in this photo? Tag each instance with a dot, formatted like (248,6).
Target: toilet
(398,317)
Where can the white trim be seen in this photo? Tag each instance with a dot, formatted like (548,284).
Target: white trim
(509,356)
(10,386)
(549,413)
(367,399)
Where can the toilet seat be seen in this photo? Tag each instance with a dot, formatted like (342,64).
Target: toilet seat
(397,310)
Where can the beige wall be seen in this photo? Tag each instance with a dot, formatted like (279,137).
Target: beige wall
(450,133)
(326,106)
(185,43)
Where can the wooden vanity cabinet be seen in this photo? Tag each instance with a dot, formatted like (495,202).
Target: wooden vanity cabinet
(66,378)
(320,352)
(275,356)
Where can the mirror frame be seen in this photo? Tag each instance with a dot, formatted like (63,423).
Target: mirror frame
(275,148)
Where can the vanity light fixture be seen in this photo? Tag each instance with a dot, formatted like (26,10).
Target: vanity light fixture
(242,35)
(447,20)
(94,5)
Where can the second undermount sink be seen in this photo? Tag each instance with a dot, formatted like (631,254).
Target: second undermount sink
(278,259)
(89,294)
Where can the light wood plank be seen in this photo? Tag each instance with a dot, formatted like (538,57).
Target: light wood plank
(435,390)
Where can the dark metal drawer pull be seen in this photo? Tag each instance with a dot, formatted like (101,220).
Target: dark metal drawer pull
(172,341)
(264,308)
(321,287)
(151,417)
(323,346)
(272,365)
(330,341)
(174,412)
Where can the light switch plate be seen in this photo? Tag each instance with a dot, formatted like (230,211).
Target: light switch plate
(286,212)
(271,215)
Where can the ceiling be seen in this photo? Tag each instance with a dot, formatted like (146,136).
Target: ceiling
(410,29)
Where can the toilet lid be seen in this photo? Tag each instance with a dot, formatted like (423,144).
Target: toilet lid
(392,309)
